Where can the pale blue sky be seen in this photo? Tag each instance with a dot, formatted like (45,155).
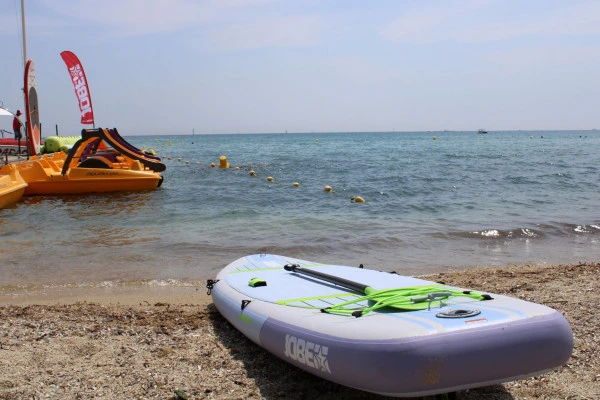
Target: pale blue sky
(227,66)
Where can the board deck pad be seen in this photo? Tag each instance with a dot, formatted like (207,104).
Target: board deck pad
(296,290)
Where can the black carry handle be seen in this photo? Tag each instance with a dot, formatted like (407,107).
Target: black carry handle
(348,284)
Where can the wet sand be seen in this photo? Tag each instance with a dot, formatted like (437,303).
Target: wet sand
(147,341)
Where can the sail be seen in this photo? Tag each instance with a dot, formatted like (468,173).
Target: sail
(31,110)
(82,90)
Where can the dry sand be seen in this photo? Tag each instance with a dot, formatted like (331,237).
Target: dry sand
(144,342)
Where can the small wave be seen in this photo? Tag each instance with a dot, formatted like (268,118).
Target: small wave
(488,233)
(517,233)
(528,233)
(567,229)
(587,229)
(522,180)
(541,231)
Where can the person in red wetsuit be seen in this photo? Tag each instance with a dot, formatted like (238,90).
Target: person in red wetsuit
(17,126)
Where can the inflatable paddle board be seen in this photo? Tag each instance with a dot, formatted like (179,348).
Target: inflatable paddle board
(31,110)
(385,333)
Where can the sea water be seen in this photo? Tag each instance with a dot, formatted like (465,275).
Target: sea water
(433,201)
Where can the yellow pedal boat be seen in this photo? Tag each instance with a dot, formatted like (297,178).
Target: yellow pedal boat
(86,169)
(12,185)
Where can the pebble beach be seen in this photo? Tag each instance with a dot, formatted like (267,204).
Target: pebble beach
(164,342)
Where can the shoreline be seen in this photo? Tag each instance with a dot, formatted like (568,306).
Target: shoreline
(148,340)
(115,293)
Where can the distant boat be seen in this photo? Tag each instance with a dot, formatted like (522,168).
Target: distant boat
(482,131)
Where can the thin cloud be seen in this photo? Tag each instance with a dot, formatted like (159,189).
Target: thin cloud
(144,17)
(359,69)
(478,22)
(525,59)
(431,22)
(286,31)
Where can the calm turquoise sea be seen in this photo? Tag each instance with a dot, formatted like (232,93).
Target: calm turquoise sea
(433,201)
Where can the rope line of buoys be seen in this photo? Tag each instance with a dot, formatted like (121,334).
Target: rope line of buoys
(224,164)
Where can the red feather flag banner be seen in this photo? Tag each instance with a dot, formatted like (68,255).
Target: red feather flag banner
(82,91)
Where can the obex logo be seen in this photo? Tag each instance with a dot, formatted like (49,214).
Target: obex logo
(85,104)
(307,353)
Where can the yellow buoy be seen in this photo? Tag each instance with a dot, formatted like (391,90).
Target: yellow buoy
(434,138)
(223,162)
(170,143)
(187,162)
(252,173)
(212,165)
(296,184)
(179,159)
(237,168)
(359,199)
(327,188)
(270,178)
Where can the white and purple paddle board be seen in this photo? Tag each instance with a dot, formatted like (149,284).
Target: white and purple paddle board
(453,344)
